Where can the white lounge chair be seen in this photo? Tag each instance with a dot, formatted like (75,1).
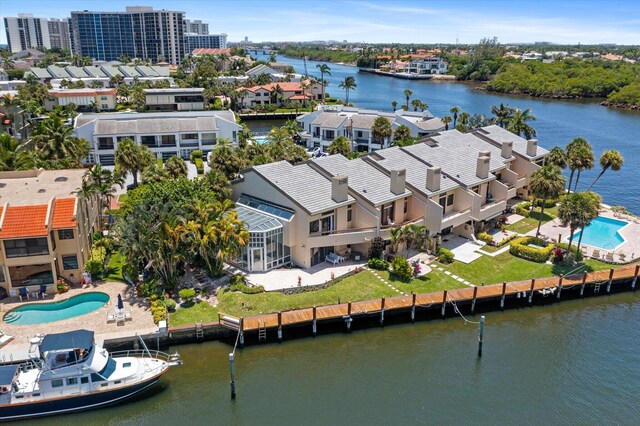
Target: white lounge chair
(332,258)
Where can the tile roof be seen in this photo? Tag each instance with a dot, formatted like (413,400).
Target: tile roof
(24,221)
(329,120)
(63,210)
(302,184)
(496,135)
(211,51)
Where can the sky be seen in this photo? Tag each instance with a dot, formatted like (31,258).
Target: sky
(512,21)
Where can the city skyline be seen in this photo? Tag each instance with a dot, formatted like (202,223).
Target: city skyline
(377,22)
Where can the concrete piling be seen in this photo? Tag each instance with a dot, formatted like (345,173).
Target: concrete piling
(504,292)
(533,284)
(610,280)
(584,283)
(480,335)
(560,286)
(475,296)
(444,303)
(635,277)
(233,374)
(382,311)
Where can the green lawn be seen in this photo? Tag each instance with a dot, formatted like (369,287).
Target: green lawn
(530,223)
(433,281)
(114,269)
(505,267)
(199,312)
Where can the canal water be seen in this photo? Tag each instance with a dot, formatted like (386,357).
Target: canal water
(576,362)
(558,121)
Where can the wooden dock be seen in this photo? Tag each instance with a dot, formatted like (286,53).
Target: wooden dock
(529,290)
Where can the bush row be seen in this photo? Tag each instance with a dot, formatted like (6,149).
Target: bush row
(237,283)
(158,309)
(377,263)
(199,166)
(520,248)
(444,255)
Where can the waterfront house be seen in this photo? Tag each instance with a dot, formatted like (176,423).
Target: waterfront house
(427,66)
(164,133)
(86,100)
(174,99)
(267,94)
(45,229)
(275,75)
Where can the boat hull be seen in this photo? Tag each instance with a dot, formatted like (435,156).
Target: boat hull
(74,403)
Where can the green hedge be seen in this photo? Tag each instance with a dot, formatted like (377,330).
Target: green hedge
(523,209)
(520,248)
(445,256)
(196,153)
(401,268)
(377,263)
(199,166)
(547,204)
(483,236)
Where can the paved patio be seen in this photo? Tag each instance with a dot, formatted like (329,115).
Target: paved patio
(631,233)
(463,250)
(141,322)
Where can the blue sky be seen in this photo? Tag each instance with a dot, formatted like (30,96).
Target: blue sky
(408,21)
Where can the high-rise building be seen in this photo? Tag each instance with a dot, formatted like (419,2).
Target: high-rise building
(139,32)
(210,41)
(27,32)
(59,35)
(196,27)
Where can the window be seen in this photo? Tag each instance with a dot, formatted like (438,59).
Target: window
(349,214)
(450,200)
(189,136)
(72,381)
(26,247)
(65,234)
(104,106)
(70,262)
(235,136)
(126,364)
(84,380)
(103,98)
(168,140)
(57,383)
(314,226)
(2,278)
(105,143)
(443,201)
(406,205)
(387,214)
(117,382)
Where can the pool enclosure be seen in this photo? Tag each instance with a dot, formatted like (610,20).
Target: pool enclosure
(266,249)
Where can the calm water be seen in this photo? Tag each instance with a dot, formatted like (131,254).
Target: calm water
(558,122)
(569,363)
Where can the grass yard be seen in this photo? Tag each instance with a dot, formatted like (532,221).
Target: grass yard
(198,312)
(505,267)
(530,223)
(431,282)
(114,269)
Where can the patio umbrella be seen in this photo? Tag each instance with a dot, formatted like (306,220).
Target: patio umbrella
(120,304)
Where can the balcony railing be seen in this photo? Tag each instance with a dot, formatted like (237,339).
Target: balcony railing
(208,141)
(105,146)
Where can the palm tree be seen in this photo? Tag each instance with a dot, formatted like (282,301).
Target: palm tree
(394,104)
(455,110)
(218,182)
(557,157)
(324,69)
(397,237)
(340,145)
(381,130)
(579,157)
(13,154)
(131,158)
(176,167)
(54,141)
(276,94)
(578,209)
(407,95)
(446,120)
(423,106)
(348,84)
(572,160)
(610,159)
(503,114)
(464,118)
(518,123)
(546,183)
(416,104)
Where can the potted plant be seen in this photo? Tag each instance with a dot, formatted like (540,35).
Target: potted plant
(61,286)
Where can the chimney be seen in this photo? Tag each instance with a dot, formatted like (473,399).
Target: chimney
(532,147)
(482,166)
(339,188)
(485,154)
(398,178)
(434,174)
(507,149)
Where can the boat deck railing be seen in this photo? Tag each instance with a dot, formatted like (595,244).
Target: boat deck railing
(143,353)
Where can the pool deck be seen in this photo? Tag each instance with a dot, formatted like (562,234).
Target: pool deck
(141,322)
(631,233)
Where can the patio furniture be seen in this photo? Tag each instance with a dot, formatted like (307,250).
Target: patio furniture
(23,293)
(596,253)
(43,291)
(4,338)
(332,258)
(110,318)
(609,256)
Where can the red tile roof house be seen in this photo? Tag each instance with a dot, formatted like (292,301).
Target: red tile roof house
(291,92)
(45,229)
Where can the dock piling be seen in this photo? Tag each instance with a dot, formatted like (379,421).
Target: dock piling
(444,302)
(533,284)
(504,292)
(279,326)
(413,306)
(610,281)
(233,375)
(473,302)
(241,336)
(381,311)
(584,282)
(560,286)
(480,335)
(635,277)
(314,326)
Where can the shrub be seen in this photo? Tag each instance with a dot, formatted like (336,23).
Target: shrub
(483,236)
(577,254)
(170,304)
(158,310)
(236,279)
(547,204)
(445,256)
(379,264)
(520,248)
(507,240)
(502,221)
(187,295)
(376,249)
(196,153)
(401,268)
(243,288)
(523,209)
(199,166)
(149,288)
(94,267)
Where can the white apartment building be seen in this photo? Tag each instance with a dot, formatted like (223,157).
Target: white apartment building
(165,133)
(424,66)
(174,99)
(86,100)
(26,32)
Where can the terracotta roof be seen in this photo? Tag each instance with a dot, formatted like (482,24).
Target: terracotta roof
(63,213)
(299,97)
(81,92)
(24,221)
(210,51)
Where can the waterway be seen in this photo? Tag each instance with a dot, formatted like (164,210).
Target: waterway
(558,121)
(570,363)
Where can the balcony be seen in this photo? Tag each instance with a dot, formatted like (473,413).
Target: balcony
(521,182)
(186,143)
(492,209)
(342,237)
(208,141)
(456,218)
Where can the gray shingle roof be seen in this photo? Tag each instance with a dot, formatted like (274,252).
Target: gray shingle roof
(77,72)
(367,181)
(41,72)
(129,71)
(302,184)
(329,120)
(395,158)
(111,71)
(162,71)
(146,71)
(143,124)
(430,124)
(94,71)
(58,72)
(498,135)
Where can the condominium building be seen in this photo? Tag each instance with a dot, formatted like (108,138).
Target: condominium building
(196,27)
(174,99)
(451,182)
(59,35)
(165,133)
(319,128)
(45,229)
(205,41)
(86,100)
(26,32)
(54,74)
(139,32)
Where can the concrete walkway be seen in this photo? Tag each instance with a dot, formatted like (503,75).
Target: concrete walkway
(454,276)
(375,274)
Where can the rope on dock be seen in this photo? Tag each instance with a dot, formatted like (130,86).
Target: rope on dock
(457,311)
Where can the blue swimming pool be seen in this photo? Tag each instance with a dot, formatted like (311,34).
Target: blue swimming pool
(38,313)
(602,233)
(260,140)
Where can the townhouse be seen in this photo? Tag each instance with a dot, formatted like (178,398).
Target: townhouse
(451,182)
(319,128)
(165,133)
(45,229)
(174,99)
(103,73)
(86,100)
(280,93)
